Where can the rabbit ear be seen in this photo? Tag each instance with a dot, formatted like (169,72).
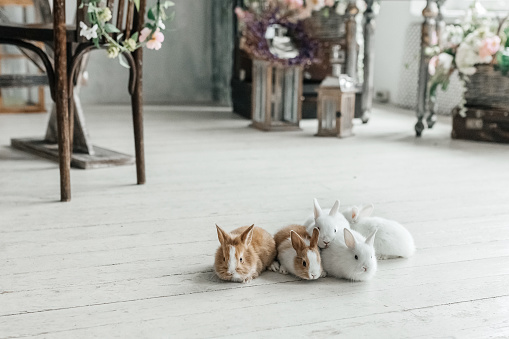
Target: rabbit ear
(366,210)
(314,238)
(334,210)
(222,235)
(297,242)
(349,239)
(318,210)
(371,239)
(355,213)
(247,236)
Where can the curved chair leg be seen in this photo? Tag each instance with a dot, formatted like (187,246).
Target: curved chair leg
(137,108)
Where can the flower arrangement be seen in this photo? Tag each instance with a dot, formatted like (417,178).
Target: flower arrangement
(480,39)
(257,24)
(99,16)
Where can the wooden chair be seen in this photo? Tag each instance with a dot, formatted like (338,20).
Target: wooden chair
(69,48)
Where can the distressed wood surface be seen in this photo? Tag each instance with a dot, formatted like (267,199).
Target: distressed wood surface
(124,260)
(428,34)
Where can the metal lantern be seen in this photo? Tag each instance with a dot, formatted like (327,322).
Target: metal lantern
(336,102)
(277,91)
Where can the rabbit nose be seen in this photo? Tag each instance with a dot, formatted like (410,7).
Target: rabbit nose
(364,268)
(326,243)
(313,276)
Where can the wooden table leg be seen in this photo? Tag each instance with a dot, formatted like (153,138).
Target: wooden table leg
(64,149)
(137,101)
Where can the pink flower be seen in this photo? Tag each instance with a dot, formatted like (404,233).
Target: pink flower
(144,34)
(434,38)
(295,4)
(240,13)
(489,47)
(155,41)
(432,66)
(492,44)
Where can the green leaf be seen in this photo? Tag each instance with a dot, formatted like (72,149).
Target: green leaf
(150,14)
(110,28)
(135,36)
(82,5)
(137,4)
(120,36)
(122,61)
(445,85)
(172,16)
(168,4)
(96,42)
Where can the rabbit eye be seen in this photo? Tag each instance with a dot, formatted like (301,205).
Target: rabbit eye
(224,259)
(318,228)
(335,230)
(356,257)
(304,263)
(240,259)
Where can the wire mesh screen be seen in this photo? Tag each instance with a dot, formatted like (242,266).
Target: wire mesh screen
(407,88)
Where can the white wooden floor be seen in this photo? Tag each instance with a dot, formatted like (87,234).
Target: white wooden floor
(122,260)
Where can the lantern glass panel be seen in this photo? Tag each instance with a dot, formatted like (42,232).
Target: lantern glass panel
(277,94)
(291,94)
(329,109)
(260,74)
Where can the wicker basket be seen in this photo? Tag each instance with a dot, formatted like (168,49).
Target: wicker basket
(488,88)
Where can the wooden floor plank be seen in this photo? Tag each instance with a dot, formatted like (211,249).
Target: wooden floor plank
(123,260)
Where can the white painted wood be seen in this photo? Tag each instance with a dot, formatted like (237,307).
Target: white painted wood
(123,260)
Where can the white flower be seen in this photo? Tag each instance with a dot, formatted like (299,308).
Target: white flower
(88,33)
(466,58)
(341,8)
(453,35)
(317,4)
(104,15)
(445,61)
(113,52)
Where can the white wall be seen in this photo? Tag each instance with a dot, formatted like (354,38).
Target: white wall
(179,72)
(391,27)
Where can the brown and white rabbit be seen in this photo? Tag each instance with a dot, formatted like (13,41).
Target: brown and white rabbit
(244,253)
(298,253)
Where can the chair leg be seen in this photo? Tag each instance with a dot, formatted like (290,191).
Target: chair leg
(64,147)
(137,108)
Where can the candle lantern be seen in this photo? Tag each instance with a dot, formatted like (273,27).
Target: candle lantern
(336,101)
(276,101)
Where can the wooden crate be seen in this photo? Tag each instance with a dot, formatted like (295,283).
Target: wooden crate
(481,124)
(276,102)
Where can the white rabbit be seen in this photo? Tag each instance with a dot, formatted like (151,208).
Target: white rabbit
(352,257)
(329,225)
(392,240)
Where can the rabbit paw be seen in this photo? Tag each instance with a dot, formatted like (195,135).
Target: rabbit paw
(274,267)
(324,274)
(247,280)
(283,270)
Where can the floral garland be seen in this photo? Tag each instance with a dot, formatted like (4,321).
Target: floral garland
(99,16)
(479,40)
(287,14)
